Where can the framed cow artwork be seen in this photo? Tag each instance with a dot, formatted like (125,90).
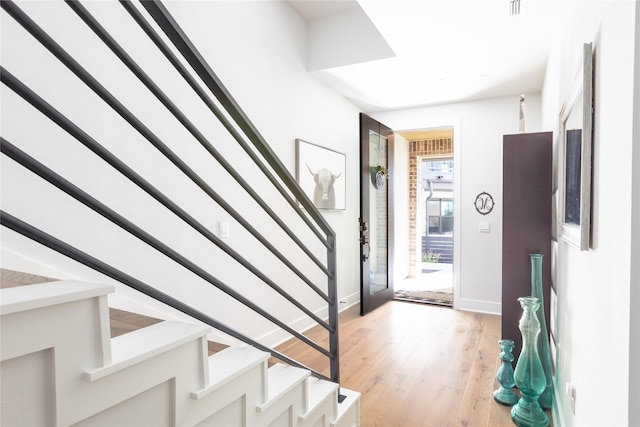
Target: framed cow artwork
(320,172)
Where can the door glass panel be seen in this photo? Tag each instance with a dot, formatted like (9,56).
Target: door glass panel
(378,215)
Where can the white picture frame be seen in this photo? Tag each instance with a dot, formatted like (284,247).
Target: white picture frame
(321,172)
(575,137)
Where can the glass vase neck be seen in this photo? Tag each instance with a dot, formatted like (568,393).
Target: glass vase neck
(536,271)
(529,303)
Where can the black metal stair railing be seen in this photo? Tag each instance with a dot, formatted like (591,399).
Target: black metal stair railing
(239,127)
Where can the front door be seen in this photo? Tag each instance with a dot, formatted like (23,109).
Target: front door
(376,201)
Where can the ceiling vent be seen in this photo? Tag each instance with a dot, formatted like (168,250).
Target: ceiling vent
(517,7)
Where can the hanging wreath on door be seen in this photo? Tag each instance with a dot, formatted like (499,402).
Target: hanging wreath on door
(379,176)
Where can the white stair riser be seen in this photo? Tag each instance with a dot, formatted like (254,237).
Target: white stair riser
(57,368)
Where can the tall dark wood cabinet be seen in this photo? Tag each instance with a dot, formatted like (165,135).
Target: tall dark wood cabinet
(526,223)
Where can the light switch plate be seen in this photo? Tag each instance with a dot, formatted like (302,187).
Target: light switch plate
(224,229)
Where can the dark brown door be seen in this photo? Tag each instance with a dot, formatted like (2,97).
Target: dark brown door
(376,214)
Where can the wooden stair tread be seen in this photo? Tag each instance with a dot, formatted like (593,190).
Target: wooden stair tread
(121,321)
(16,299)
(12,279)
(134,347)
(319,392)
(234,362)
(281,379)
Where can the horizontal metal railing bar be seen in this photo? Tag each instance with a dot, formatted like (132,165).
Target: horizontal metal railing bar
(11,151)
(106,96)
(181,42)
(50,112)
(171,28)
(164,99)
(33,233)
(142,22)
(115,47)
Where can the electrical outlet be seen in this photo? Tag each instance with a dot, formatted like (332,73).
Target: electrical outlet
(571,394)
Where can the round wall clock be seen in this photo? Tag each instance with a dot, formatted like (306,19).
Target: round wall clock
(484,203)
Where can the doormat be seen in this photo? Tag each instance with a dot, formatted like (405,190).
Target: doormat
(439,296)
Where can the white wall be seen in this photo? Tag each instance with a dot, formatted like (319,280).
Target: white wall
(478,130)
(257,49)
(594,326)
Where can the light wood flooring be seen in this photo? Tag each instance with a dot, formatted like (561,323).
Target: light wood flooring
(417,365)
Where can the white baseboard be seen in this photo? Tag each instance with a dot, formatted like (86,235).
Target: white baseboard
(277,336)
(349,301)
(487,307)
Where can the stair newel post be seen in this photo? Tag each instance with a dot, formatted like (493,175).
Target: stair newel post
(332,289)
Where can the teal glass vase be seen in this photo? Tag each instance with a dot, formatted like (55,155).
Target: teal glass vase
(505,394)
(546,398)
(529,373)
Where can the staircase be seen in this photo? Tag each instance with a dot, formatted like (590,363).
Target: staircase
(140,171)
(59,366)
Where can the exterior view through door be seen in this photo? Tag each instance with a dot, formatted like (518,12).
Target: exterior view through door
(431,211)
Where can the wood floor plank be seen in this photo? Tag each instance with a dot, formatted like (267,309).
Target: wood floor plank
(410,400)
(420,365)
(478,394)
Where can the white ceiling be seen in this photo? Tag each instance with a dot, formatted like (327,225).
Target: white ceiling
(442,51)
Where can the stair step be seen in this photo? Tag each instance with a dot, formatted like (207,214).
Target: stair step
(131,349)
(228,364)
(351,398)
(136,346)
(30,297)
(280,379)
(13,278)
(319,392)
(123,322)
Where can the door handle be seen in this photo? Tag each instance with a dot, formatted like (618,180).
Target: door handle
(364,240)
(366,256)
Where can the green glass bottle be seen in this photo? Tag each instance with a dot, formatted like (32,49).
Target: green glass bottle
(546,398)
(529,374)
(505,394)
